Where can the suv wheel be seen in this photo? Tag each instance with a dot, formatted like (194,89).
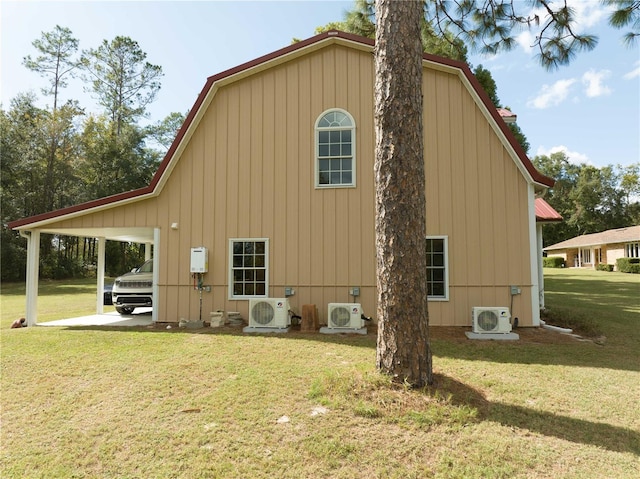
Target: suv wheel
(124,309)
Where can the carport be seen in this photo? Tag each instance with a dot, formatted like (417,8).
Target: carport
(32,232)
(112,319)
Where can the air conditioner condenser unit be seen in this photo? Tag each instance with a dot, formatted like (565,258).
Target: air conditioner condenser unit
(491,320)
(345,316)
(269,313)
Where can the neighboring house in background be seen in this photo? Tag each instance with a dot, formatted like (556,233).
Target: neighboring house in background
(588,251)
(272,172)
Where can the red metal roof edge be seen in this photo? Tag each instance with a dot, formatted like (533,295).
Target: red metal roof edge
(493,111)
(181,132)
(545,213)
(80,207)
(538,177)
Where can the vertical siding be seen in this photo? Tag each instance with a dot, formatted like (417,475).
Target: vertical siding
(477,197)
(248,171)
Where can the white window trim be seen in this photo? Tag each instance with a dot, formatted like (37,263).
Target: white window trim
(632,250)
(316,150)
(446,268)
(231,296)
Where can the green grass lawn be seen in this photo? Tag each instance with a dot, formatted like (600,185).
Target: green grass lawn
(147,403)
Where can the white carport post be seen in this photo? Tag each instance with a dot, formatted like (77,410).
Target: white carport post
(540,270)
(156,272)
(533,259)
(33,271)
(102,247)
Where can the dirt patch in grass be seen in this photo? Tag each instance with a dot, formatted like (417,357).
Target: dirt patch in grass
(453,334)
(527,335)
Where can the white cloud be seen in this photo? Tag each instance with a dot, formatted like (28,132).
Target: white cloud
(526,40)
(588,12)
(633,73)
(593,82)
(573,156)
(552,95)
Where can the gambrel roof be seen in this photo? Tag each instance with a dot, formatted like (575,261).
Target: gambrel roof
(278,57)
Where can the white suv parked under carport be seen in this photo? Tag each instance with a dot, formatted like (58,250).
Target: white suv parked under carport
(134,290)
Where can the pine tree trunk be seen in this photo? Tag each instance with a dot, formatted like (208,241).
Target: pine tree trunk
(403,349)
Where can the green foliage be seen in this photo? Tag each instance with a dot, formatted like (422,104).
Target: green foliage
(56,157)
(164,131)
(123,81)
(553,262)
(625,13)
(604,267)
(361,21)
(122,257)
(113,162)
(14,255)
(589,199)
(491,26)
(488,83)
(55,60)
(628,265)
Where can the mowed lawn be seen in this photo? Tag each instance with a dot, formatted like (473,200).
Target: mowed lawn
(157,403)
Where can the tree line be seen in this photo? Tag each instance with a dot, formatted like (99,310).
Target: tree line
(63,154)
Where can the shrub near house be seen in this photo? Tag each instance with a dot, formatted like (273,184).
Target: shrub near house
(628,265)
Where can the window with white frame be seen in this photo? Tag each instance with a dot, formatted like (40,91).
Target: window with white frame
(335,150)
(248,268)
(586,256)
(437,268)
(632,250)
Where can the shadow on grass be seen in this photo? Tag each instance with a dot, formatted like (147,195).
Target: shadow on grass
(575,354)
(567,353)
(613,438)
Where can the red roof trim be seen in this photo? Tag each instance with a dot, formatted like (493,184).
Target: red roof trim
(493,111)
(258,61)
(545,212)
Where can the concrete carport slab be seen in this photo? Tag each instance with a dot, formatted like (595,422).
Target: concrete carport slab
(141,317)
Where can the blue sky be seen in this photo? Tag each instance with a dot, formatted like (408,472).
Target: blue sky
(591,109)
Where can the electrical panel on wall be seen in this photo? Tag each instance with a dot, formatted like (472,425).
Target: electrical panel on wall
(199,260)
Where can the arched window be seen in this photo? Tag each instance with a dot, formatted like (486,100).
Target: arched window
(335,150)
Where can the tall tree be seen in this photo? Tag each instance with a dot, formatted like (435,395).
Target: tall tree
(121,78)
(403,341)
(55,60)
(403,349)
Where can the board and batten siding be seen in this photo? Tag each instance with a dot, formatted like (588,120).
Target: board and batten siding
(248,172)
